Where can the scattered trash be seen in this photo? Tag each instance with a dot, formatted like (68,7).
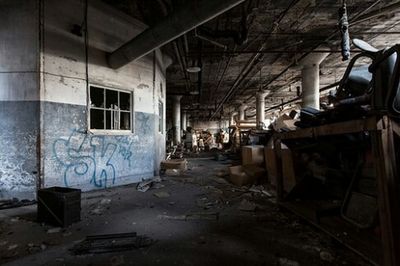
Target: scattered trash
(54,230)
(326,256)
(97,211)
(43,247)
(246,205)
(222,173)
(14,203)
(192,216)
(14,220)
(162,194)
(105,201)
(205,203)
(287,262)
(66,234)
(12,247)
(3,243)
(157,186)
(147,184)
(220,180)
(111,243)
(259,189)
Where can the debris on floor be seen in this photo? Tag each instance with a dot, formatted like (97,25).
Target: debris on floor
(162,194)
(287,262)
(148,183)
(54,230)
(260,189)
(100,208)
(326,256)
(246,205)
(14,203)
(111,243)
(192,216)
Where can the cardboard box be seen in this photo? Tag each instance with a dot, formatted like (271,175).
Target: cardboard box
(253,155)
(238,177)
(270,165)
(255,172)
(289,176)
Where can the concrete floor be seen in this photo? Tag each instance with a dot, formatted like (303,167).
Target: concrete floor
(266,236)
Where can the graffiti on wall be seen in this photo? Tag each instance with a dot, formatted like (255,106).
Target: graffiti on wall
(90,157)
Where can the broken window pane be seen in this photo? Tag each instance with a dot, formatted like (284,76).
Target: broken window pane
(111,98)
(96,119)
(125,121)
(106,112)
(97,97)
(125,101)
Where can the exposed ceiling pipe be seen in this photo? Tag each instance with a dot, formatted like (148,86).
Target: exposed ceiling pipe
(376,13)
(252,61)
(361,16)
(182,61)
(194,14)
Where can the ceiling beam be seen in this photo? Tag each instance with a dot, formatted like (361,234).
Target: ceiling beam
(194,14)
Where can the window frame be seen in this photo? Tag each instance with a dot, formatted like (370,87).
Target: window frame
(161,125)
(110,131)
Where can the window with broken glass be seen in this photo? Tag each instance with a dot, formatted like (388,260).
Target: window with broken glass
(110,109)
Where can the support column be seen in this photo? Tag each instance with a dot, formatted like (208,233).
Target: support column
(232,118)
(242,112)
(184,121)
(310,79)
(176,118)
(260,109)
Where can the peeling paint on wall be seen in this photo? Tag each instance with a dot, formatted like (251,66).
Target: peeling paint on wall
(76,158)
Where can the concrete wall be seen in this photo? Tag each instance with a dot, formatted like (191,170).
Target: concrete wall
(70,154)
(19,95)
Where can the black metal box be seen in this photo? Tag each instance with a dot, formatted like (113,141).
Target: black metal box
(59,205)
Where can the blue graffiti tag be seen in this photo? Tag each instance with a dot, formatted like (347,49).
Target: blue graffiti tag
(85,156)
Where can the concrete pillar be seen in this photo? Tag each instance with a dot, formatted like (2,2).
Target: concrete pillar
(260,108)
(184,121)
(242,112)
(232,118)
(188,122)
(310,79)
(176,118)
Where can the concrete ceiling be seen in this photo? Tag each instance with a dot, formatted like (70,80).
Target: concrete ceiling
(283,30)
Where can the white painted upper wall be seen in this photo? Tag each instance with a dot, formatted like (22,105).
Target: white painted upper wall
(19,46)
(64,67)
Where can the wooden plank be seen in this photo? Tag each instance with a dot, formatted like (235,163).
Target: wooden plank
(388,194)
(395,127)
(353,126)
(279,172)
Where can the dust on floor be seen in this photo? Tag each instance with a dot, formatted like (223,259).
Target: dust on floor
(194,219)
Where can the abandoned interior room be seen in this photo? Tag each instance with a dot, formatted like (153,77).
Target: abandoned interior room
(200,132)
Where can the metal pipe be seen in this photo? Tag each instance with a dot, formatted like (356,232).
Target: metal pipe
(183,69)
(195,13)
(252,61)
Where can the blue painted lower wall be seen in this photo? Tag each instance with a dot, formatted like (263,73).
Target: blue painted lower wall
(74,158)
(19,133)
(69,155)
